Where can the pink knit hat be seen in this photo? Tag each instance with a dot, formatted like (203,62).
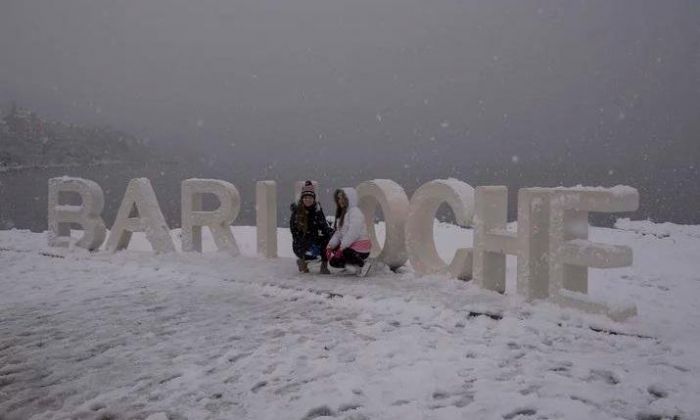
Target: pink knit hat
(308,189)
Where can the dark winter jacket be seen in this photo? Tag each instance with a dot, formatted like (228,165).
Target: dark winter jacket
(318,230)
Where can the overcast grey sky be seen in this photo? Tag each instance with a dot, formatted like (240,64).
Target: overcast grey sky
(435,82)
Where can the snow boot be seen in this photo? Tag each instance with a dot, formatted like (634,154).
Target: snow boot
(350,269)
(303,266)
(324,268)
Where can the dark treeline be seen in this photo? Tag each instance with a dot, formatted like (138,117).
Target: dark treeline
(27,141)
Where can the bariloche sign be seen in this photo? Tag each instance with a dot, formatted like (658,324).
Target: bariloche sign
(551,242)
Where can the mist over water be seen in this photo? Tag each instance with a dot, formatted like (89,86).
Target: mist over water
(518,93)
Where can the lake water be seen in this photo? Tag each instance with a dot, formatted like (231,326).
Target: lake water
(667,195)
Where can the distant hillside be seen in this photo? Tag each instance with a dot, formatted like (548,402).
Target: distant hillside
(27,141)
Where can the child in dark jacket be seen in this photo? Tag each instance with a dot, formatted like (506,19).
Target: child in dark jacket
(310,230)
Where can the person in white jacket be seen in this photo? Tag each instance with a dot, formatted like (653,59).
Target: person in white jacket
(350,243)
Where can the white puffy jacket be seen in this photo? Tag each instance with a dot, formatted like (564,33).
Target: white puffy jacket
(354,228)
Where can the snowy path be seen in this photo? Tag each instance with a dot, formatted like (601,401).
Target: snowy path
(209,337)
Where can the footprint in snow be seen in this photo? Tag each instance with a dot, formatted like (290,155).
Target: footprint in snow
(258,386)
(322,411)
(521,412)
(605,375)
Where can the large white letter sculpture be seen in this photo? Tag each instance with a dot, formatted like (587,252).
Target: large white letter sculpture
(218,221)
(392,199)
(266,218)
(491,239)
(420,242)
(571,253)
(87,214)
(551,243)
(533,237)
(140,196)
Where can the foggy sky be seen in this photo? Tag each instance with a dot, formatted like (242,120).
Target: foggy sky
(351,84)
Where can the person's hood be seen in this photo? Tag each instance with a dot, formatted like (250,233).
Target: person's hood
(351,194)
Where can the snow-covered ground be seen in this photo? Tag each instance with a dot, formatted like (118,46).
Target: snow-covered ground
(133,335)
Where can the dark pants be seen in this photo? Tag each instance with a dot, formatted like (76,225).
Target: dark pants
(320,243)
(349,256)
